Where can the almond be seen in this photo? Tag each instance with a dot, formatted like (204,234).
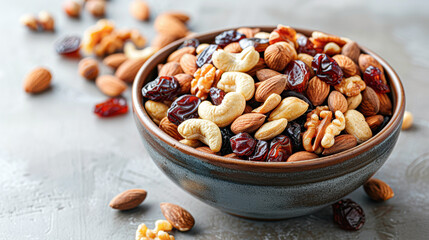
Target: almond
(366,60)
(374,122)
(88,68)
(233,47)
(178,54)
(265,74)
(170,69)
(260,65)
(181,16)
(232,155)
(275,84)
(351,50)
(110,85)
(139,10)
(317,91)
(337,102)
(170,128)
(205,149)
(115,60)
(342,143)
(249,32)
(248,122)
(188,62)
(170,25)
(378,190)
(162,40)
(184,82)
(128,70)
(129,199)
(37,80)
(181,219)
(303,155)
(278,55)
(385,104)
(370,104)
(347,65)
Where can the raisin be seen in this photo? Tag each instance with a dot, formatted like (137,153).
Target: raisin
(373,77)
(293,131)
(111,107)
(327,69)
(260,44)
(193,42)
(280,149)
(298,75)
(227,134)
(228,37)
(161,89)
(286,94)
(305,46)
(217,95)
(243,144)
(261,151)
(68,45)
(348,214)
(205,57)
(183,108)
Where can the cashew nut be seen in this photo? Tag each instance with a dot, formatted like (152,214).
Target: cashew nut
(204,130)
(357,126)
(232,106)
(156,110)
(237,82)
(290,108)
(131,51)
(236,62)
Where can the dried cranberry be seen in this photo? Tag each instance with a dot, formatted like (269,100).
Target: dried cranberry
(161,89)
(348,214)
(305,46)
(227,134)
(261,151)
(183,108)
(68,45)
(327,69)
(260,44)
(298,75)
(243,144)
(217,95)
(280,149)
(286,94)
(373,77)
(228,37)
(293,131)
(111,107)
(205,57)
(193,42)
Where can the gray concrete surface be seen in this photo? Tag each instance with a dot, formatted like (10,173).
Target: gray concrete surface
(60,165)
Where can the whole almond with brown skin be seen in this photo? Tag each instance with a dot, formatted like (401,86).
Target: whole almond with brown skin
(370,104)
(110,85)
(366,60)
(385,104)
(378,190)
(181,219)
(300,156)
(351,50)
(170,69)
(342,143)
(170,128)
(249,122)
(178,54)
(139,10)
(233,48)
(375,122)
(170,25)
(347,65)
(127,71)
(37,80)
(265,74)
(248,109)
(88,68)
(188,62)
(337,102)
(162,40)
(181,16)
(115,60)
(129,199)
(317,91)
(278,55)
(184,82)
(275,84)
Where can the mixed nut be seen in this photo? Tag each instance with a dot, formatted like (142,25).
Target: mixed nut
(274,97)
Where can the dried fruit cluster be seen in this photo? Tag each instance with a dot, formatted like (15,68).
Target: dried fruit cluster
(276,97)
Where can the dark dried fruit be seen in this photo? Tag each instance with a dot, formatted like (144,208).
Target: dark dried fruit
(161,89)
(327,69)
(193,42)
(373,77)
(243,144)
(260,44)
(228,37)
(183,108)
(111,107)
(227,134)
(305,46)
(68,45)
(293,131)
(280,150)
(348,214)
(298,75)
(205,57)
(383,124)
(261,151)
(217,95)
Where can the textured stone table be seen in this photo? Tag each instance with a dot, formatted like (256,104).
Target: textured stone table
(60,165)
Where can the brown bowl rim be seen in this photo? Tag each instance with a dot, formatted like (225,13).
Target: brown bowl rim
(397,92)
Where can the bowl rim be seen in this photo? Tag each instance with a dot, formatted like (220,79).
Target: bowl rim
(397,92)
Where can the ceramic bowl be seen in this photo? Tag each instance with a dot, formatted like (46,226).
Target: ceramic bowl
(264,190)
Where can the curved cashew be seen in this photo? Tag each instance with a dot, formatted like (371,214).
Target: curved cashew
(271,129)
(131,51)
(232,106)
(204,130)
(272,101)
(333,129)
(290,108)
(237,82)
(236,62)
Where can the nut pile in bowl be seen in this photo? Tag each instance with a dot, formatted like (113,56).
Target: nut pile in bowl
(273,97)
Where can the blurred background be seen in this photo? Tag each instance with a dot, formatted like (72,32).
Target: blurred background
(60,164)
